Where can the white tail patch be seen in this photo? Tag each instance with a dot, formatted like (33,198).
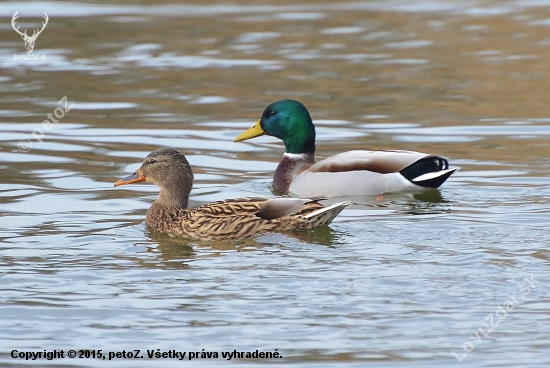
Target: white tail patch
(432,175)
(333,209)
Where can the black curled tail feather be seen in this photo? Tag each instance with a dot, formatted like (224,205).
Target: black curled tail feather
(427,165)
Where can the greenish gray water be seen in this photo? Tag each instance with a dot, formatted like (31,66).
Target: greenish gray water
(398,280)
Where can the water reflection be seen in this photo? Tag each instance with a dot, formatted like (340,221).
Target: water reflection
(396,278)
(171,252)
(173,249)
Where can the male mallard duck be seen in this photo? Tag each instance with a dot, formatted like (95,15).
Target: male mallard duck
(229,219)
(348,173)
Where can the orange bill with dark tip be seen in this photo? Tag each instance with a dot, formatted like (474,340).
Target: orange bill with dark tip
(133,178)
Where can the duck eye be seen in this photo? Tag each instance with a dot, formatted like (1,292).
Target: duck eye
(271,113)
(152,161)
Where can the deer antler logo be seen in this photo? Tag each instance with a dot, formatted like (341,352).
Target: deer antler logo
(29,40)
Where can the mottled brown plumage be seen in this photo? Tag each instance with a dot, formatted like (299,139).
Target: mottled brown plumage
(222,220)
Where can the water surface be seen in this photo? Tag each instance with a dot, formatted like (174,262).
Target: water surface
(397,280)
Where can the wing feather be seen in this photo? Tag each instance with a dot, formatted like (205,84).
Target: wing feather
(382,162)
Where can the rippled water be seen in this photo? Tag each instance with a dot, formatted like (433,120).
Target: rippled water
(398,280)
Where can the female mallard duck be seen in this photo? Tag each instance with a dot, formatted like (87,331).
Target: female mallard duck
(229,219)
(348,173)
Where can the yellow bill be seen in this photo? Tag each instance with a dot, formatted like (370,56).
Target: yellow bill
(253,132)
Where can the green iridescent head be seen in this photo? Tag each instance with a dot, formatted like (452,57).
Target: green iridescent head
(289,121)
